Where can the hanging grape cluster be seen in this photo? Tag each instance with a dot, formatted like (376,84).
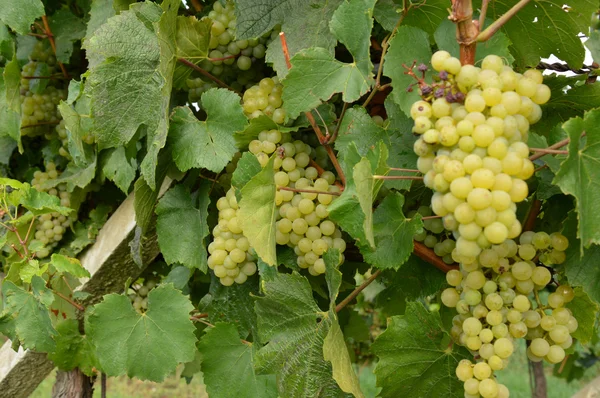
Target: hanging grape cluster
(50,227)
(302,217)
(40,97)
(474,155)
(264,98)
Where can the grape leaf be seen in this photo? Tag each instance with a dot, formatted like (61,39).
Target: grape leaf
(11,123)
(316,75)
(208,144)
(19,15)
(124,81)
(257,17)
(166,30)
(72,349)
(415,358)
(12,82)
(69,265)
(67,29)
(232,304)
(351,210)
(258,124)
(41,203)
(7,45)
(192,44)
(31,268)
(425,15)
(410,44)
(119,165)
(100,12)
(498,44)
(585,311)
(184,246)
(257,211)
(393,234)
(593,44)
(581,270)
(579,175)
(226,357)
(77,126)
(248,166)
(308,28)
(544,28)
(26,317)
(76,175)
(295,329)
(148,346)
(358,127)
(336,352)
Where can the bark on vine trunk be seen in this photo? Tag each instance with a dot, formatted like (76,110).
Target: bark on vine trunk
(72,384)
(539,388)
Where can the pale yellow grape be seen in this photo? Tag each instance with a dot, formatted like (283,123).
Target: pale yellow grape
(521,303)
(539,347)
(556,354)
(450,297)
(495,362)
(464,370)
(471,386)
(483,178)
(482,371)
(541,276)
(479,198)
(503,347)
(496,232)
(488,388)
(438,60)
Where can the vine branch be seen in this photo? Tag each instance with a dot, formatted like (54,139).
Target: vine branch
(429,256)
(497,24)
(308,191)
(205,73)
(357,291)
(466,30)
(559,144)
(50,35)
(68,300)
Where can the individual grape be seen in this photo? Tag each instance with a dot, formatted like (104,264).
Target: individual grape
(555,354)
(464,370)
(503,347)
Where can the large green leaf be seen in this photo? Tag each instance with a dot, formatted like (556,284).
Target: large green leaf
(257,213)
(41,203)
(393,234)
(72,349)
(183,245)
(119,165)
(10,126)
(192,44)
(415,357)
(67,29)
(409,45)
(69,265)
(257,17)
(586,312)
(208,144)
(295,329)
(19,15)
(316,75)
(309,27)
(225,358)
(336,352)
(581,270)
(26,317)
(425,15)
(579,175)
(593,44)
(543,28)
(100,11)
(147,346)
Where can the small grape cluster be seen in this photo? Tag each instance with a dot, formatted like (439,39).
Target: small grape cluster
(139,294)
(434,235)
(39,109)
(474,155)
(264,98)
(492,298)
(231,257)
(50,227)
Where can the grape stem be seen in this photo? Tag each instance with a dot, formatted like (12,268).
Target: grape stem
(429,256)
(559,144)
(308,191)
(205,73)
(430,217)
(466,30)
(484,7)
(406,170)
(68,300)
(198,317)
(378,177)
(320,170)
(322,139)
(549,151)
(497,24)
(339,124)
(357,291)
(529,223)
(48,32)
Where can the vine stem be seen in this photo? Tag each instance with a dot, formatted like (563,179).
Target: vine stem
(559,144)
(532,215)
(497,24)
(357,291)
(68,300)
(205,73)
(322,139)
(430,217)
(378,177)
(406,170)
(308,191)
(484,7)
(466,30)
(429,256)
(321,170)
(50,35)
(549,151)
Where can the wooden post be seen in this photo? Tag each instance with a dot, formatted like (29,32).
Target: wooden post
(110,264)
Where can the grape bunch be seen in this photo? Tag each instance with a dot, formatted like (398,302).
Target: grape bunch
(493,298)
(264,98)
(39,104)
(473,126)
(51,227)
(138,294)
(231,257)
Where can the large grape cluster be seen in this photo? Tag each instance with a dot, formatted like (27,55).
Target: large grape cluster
(302,217)
(231,257)
(50,227)
(493,298)
(474,154)
(264,98)
(39,106)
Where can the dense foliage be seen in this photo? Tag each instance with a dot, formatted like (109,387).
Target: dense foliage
(285,154)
